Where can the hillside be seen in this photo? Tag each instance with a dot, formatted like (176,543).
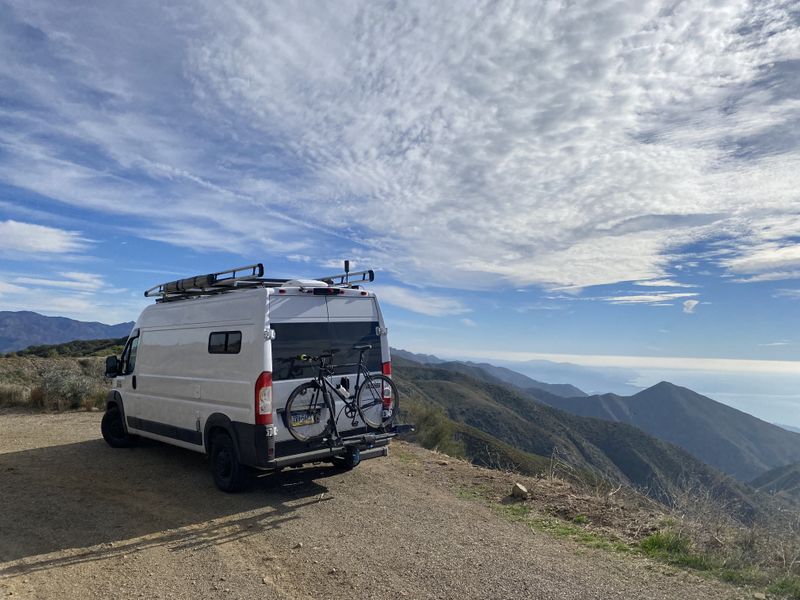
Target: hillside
(18,330)
(617,451)
(77,348)
(782,481)
(728,439)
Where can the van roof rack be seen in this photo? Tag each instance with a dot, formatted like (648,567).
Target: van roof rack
(243,278)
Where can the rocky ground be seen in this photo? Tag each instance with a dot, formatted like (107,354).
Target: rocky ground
(81,520)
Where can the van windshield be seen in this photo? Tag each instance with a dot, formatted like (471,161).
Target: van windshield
(293,339)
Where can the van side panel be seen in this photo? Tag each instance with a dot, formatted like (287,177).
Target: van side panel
(180,382)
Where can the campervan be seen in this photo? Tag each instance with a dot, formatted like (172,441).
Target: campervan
(211,364)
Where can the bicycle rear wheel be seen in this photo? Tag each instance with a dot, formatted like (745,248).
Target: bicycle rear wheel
(378,401)
(307,415)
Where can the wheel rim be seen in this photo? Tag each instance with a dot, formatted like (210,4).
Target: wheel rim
(307,401)
(372,402)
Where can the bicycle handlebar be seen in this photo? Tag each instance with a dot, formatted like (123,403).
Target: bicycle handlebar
(312,358)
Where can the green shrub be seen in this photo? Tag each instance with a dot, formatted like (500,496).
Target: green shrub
(665,542)
(788,587)
(433,429)
(580,519)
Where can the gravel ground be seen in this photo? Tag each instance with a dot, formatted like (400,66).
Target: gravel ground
(81,520)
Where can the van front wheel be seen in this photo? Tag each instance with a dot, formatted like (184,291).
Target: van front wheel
(113,429)
(229,474)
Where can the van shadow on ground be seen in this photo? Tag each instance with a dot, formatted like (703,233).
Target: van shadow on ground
(83,495)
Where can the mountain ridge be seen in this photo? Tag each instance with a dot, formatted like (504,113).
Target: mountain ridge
(726,438)
(22,329)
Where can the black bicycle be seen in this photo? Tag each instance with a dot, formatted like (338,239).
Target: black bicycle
(311,408)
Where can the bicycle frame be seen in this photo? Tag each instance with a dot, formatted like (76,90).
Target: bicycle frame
(330,392)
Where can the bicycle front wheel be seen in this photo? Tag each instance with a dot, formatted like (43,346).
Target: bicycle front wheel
(378,401)
(307,415)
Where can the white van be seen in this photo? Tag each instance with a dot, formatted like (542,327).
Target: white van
(210,366)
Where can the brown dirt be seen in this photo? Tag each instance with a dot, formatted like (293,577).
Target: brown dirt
(81,520)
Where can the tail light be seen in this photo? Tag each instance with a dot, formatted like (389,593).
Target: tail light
(264,399)
(386,391)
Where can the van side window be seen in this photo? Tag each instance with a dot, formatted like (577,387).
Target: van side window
(129,356)
(225,342)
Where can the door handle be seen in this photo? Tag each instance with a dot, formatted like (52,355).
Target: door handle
(133,382)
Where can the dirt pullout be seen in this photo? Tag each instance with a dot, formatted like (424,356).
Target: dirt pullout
(82,520)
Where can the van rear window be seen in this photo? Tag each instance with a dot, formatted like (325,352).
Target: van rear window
(225,342)
(293,339)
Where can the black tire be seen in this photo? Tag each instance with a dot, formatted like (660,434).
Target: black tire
(229,474)
(347,461)
(113,429)
(307,415)
(378,402)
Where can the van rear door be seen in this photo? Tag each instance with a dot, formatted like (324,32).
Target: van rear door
(315,324)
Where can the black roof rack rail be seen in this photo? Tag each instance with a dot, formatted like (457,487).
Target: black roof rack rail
(348,279)
(241,278)
(209,283)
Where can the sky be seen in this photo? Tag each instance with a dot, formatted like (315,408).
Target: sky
(607,184)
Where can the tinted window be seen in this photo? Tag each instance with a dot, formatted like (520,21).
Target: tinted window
(225,342)
(129,356)
(293,339)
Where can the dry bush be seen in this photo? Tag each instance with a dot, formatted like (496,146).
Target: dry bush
(13,395)
(60,383)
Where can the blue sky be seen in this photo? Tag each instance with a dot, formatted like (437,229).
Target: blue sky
(604,183)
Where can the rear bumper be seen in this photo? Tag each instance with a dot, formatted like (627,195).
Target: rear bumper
(369,445)
(378,449)
(260,450)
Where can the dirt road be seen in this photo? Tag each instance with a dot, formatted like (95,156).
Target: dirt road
(81,520)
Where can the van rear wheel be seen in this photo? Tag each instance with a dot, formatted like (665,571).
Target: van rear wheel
(229,474)
(113,429)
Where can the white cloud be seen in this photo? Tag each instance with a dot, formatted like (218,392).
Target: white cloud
(88,282)
(655,298)
(419,302)
(569,147)
(18,239)
(468,323)
(767,262)
(774,344)
(689,306)
(788,294)
(663,283)
(78,295)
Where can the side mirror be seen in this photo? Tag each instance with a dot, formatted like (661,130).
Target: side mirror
(112,367)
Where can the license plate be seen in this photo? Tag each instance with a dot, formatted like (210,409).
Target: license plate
(305,418)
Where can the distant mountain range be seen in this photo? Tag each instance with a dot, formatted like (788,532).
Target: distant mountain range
(493,416)
(18,330)
(589,379)
(728,439)
(516,379)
